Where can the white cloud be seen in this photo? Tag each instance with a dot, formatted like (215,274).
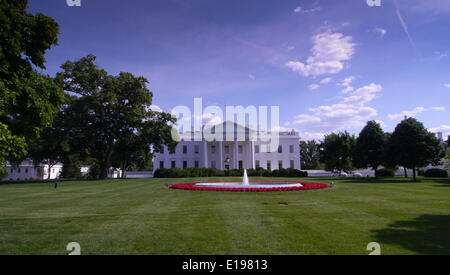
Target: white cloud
(414,112)
(441,55)
(313,87)
(346,83)
(334,117)
(300,9)
(251,76)
(329,53)
(305,136)
(326,80)
(208,118)
(447,85)
(290,48)
(442,128)
(155,108)
(382,32)
(364,95)
(351,112)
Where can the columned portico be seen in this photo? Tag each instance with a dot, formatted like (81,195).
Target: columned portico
(252,154)
(227,152)
(205,154)
(220,156)
(236,155)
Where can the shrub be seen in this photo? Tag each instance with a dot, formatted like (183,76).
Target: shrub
(213,172)
(436,173)
(385,172)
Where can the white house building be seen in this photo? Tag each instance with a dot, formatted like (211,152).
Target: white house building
(232,146)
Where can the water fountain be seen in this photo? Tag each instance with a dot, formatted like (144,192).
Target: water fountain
(249,186)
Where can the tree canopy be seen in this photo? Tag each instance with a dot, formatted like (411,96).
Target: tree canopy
(110,119)
(370,146)
(29,101)
(309,155)
(336,151)
(412,146)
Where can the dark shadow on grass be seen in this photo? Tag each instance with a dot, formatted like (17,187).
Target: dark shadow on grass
(371,180)
(427,234)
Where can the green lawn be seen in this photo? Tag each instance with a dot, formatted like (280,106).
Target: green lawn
(143,216)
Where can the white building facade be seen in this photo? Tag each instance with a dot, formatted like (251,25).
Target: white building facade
(227,151)
(28,171)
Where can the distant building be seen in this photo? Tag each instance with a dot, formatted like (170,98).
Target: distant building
(28,171)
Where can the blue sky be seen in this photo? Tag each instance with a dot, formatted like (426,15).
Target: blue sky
(330,65)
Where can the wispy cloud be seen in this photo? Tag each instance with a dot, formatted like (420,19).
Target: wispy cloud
(414,112)
(313,87)
(382,32)
(404,25)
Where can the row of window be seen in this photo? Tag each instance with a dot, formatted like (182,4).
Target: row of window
(240,149)
(19,170)
(240,164)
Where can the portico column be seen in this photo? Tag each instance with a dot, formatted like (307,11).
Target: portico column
(205,154)
(220,156)
(236,163)
(252,154)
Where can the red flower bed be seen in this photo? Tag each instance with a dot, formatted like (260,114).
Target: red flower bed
(306,186)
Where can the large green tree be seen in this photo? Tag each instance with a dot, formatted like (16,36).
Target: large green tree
(370,147)
(111,117)
(29,101)
(336,151)
(412,146)
(309,155)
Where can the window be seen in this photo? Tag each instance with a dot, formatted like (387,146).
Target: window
(280,149)
(162,150)
(18,170)
(161,164)
(184,164)
(267,148)
(12,170)
(173,164)
(240,149)
(227,149)
(184,149)
(196,164)
(256,148)
(280,164)
(292,164)
(240,164)
(26,170)
(213,149)
(256,163)
(291,149)
(213,164)
(196,149)
(269,167)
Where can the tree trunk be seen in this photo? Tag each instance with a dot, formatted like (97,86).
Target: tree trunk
(414,172)
(105,166)
(49,171)
(123,169)
(404,170)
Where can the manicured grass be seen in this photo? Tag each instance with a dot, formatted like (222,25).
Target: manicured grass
(143,216)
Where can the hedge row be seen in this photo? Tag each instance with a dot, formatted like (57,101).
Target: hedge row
(213,172)
(436,173)
(385,172)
